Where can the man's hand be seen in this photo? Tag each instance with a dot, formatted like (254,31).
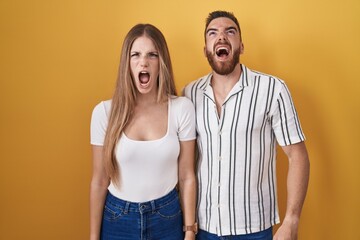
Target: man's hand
(287,231)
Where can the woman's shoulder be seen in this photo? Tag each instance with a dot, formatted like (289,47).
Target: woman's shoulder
(180,101)
(103,108)
(181,105)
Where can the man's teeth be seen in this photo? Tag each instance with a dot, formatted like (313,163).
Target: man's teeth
(222,48)
(222,51)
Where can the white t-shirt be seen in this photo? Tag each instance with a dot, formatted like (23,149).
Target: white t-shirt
(148,169)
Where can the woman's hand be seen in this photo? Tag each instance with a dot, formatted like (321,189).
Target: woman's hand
(189,235)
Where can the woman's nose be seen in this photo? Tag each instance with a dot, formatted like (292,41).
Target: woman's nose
(143,61)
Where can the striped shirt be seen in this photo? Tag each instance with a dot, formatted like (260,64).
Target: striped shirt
(237,151)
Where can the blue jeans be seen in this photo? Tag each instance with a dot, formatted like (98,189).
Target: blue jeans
(263,235)
(158,219)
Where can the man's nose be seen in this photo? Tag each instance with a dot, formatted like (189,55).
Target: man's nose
(222,36)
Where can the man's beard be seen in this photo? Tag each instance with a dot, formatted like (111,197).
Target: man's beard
(223,68)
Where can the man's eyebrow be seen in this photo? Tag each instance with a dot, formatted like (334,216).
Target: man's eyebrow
(211,29)
(231,28)
(227,29)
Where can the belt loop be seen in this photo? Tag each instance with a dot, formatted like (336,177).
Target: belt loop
(153,206)
(126,207)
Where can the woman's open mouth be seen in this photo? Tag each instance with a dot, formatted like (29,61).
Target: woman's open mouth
(144,78)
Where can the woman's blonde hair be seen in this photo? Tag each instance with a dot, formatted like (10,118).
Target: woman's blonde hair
(124,98)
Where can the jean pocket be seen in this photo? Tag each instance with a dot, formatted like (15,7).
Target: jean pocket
(112,212)
(170,210)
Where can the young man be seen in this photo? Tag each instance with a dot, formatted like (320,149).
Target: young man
(241,115)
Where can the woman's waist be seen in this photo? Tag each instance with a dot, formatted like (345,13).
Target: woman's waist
(134,205)
(143,189)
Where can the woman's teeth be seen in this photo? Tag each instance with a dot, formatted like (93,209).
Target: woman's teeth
(144,77)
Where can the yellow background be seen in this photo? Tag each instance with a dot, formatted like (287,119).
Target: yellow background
(59,58)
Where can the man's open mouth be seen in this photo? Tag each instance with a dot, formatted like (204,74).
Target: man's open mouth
(222,52)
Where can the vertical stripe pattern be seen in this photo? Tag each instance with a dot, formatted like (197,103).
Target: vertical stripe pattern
(237,151)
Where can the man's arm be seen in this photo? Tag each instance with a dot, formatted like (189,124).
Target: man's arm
(297,183)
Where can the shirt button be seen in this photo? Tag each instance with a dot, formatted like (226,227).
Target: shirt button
(220,158)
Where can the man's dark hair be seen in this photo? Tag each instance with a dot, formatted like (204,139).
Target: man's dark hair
(218,14)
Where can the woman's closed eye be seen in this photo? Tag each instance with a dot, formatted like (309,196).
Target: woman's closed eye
(134,54)
(153,55)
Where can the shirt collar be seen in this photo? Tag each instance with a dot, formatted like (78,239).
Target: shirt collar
(246,79)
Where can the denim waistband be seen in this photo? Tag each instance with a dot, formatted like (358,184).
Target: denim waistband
(142,207)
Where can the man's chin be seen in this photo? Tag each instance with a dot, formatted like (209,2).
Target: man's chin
(223,69)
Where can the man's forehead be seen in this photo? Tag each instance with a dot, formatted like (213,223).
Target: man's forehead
(222,22)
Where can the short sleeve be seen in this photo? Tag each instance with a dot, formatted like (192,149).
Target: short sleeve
(285,121)
(186,128)
(99,122)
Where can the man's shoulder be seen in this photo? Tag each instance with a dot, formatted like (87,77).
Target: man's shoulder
(264,76)
(199,83)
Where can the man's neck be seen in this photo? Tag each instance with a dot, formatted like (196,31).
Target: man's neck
(224,83)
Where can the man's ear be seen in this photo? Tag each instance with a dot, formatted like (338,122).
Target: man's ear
(242,48)
(205,51)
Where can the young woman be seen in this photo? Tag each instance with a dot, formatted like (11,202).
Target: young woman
(143,143)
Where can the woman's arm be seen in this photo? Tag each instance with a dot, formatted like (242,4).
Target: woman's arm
(98,190)
(187,184)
